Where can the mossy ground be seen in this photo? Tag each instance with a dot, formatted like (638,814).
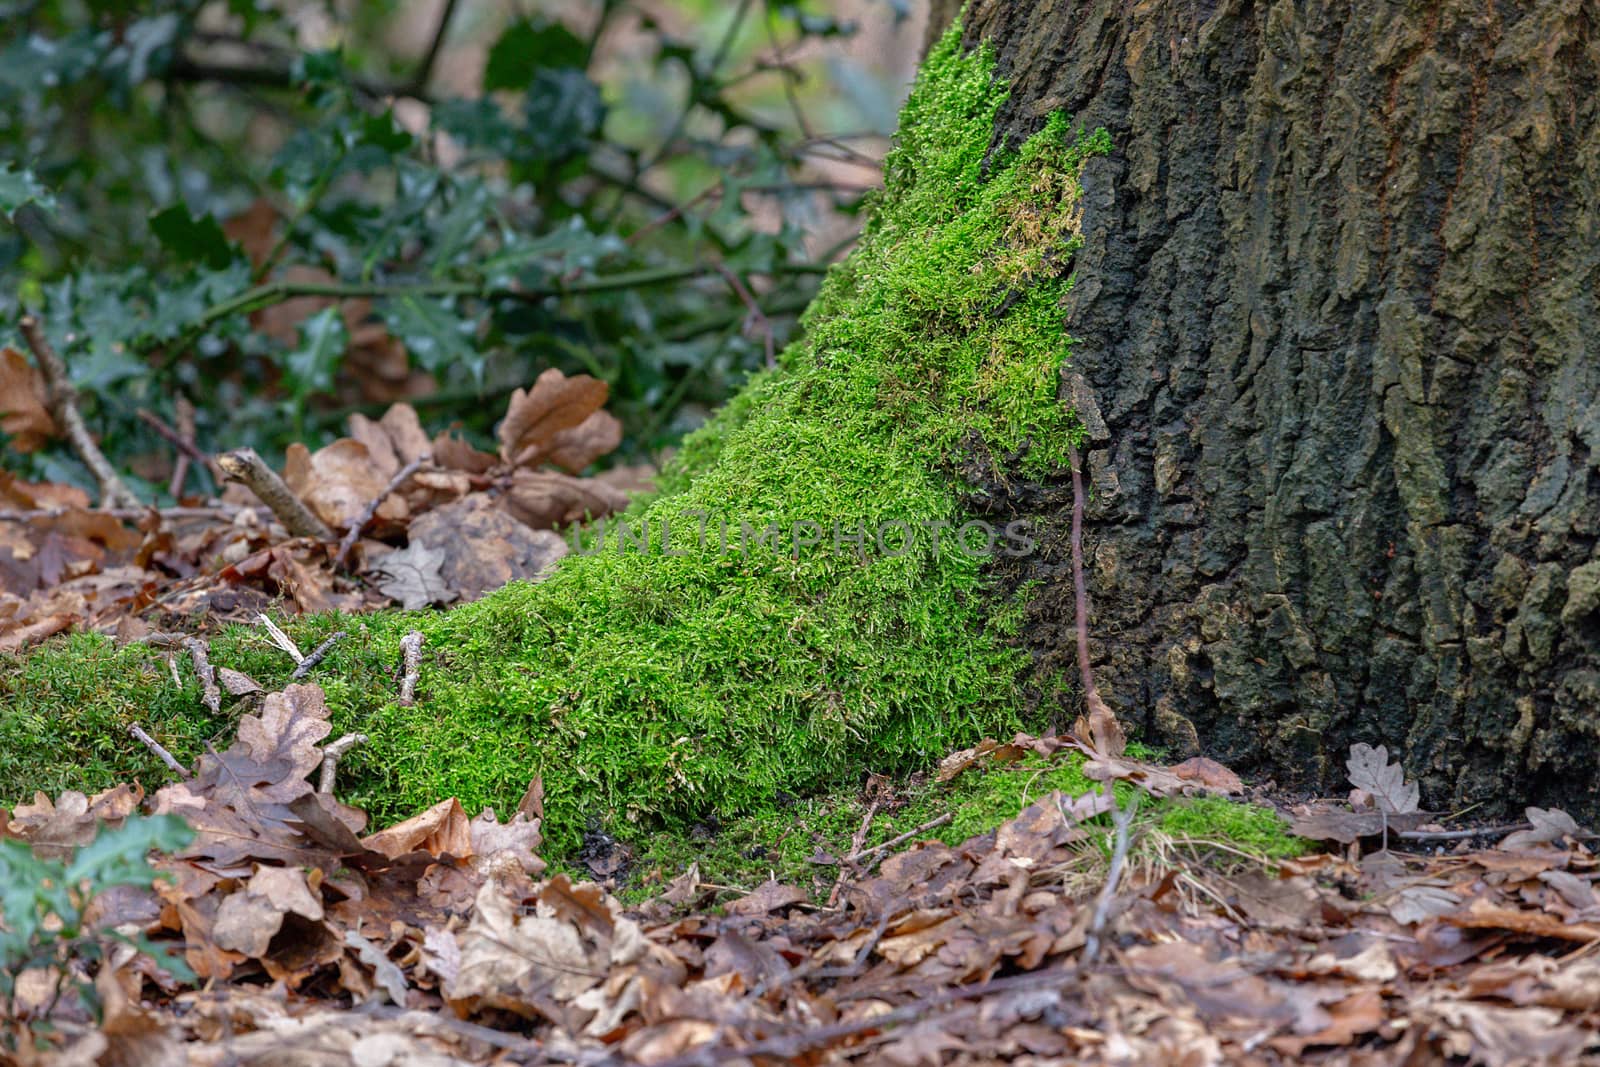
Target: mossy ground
(783,843)
(666,686)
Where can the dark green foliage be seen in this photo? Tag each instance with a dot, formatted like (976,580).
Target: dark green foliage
(43,903)
(558,219)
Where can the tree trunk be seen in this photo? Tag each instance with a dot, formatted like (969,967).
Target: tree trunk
(1338,302)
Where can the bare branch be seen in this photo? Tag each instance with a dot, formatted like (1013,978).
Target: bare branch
(1122,819)
(160,751)
(352,535)
(411,650)
(63,403)
(331,756)
(244,466)
(316,656)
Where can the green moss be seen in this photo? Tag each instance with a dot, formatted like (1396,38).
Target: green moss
(642,684)
(782,843)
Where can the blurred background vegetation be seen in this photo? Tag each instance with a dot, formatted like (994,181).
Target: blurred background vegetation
(278,213)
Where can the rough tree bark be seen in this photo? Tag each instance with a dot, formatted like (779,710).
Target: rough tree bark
(1339,304)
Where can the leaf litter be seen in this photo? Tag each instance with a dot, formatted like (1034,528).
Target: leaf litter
(426,521)
(445,940)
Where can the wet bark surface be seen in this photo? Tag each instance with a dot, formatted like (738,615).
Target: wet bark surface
(1339,311)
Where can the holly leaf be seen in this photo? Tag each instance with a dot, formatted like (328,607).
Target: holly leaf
(20,187)
(192,240)
(435,335)
(323,340)
(527,47)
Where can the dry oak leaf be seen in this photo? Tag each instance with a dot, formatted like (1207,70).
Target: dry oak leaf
(247,920)
(414,576)
(454,454)
(1549,826)
(54,829)
(573,450)
(483,547)
(546,499)
(509,962)
(535,417)
(393,440)
(337,482)
(24,402)
(1209,773)
(286,734)
(437,831)
(20,494)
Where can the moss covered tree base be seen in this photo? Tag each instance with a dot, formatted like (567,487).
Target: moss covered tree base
(796,606)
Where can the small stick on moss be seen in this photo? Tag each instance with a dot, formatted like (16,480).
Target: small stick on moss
(209,692)
(244,466)
(281,639)
(331,756)
(317,655)
(857,842)
(160,752)
(876,852)
(1122,819)
(352,535)
(63,403)
(411,650)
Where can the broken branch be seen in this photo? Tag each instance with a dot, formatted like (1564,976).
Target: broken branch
(209,692)
(331,756)
(1122,819)
(411,650)
(352,535)
(871,855)
(160,751)
(317,655)
(63,403)
(244,466)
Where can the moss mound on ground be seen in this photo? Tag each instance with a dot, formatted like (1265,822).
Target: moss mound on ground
(717,667)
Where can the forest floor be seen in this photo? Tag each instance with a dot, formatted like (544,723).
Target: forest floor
(1029,912)
(1040,900)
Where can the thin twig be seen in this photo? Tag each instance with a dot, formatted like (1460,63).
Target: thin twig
(180,466)
(870,856)
(755,316)
(244,466)
(183,442)
(210,694)
(1122,819)
(160,751)
(1080,587)
(330,759)
(857,842)
(316,656)
(419,80)
(132,514)
(63,403)
(353,534)
(792,1045)
(411,651)
(1461,835)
